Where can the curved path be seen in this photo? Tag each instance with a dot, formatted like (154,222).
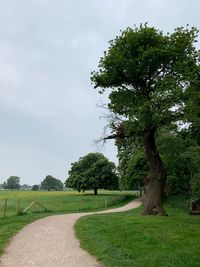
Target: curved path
(51,242)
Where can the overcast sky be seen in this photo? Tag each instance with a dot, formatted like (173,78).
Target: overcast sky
(48,48)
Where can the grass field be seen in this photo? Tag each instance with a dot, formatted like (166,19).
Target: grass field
(131,240)
(57,202)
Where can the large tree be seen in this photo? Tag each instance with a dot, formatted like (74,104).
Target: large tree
(148,74)
(92,171)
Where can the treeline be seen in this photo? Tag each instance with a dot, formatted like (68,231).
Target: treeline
(49,183)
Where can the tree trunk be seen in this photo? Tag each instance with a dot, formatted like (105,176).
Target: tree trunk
(155,181)
(95,191)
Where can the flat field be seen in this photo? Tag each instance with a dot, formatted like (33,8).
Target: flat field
(60,201)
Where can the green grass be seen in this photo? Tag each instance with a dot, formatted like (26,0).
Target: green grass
(57,202)
(129,239)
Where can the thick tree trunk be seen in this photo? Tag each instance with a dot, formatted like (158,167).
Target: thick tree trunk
(95,191)
(155,181)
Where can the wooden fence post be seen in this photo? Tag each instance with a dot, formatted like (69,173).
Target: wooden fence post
(5,208)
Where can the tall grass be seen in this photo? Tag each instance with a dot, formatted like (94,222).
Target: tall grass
(58,201)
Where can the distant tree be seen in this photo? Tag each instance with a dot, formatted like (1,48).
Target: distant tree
(4,185)
(92,171)
(25,187)
(35,187)
(13,182)
(51,183)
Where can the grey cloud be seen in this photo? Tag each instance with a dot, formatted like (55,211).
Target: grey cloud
(47,50)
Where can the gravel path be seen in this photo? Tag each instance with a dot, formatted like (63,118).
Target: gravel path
(51,242)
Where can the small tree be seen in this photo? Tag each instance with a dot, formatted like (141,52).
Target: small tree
(51,183)
(13,182)
(92,171)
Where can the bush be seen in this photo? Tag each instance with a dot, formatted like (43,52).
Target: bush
(195,184)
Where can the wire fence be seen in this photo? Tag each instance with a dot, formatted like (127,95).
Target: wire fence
(19,206)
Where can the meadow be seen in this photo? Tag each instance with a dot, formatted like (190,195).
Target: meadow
(58,201)
(55,202)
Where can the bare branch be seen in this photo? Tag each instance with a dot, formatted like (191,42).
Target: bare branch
(112,136)
(102,105)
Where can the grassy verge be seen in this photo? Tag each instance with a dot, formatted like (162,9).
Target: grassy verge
(71,202)
(11,225)
(128,239)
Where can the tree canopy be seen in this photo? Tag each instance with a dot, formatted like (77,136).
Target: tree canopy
(149,74)
(51,183)
(13,182)
(93,171)
(35,187)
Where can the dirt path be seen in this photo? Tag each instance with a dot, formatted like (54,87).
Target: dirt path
(51,242)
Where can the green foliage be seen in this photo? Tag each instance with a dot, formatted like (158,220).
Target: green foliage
(35,187)
(51,183)
(13,182)
(151,77)
(196,189)
(147,71)
(92,171)
(135,170)
(192,111)
(180,154)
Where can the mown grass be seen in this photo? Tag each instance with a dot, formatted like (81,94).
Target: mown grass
(129,239)
(57,202)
